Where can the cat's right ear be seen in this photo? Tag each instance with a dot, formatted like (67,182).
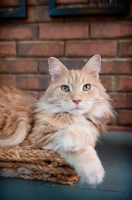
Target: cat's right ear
(56,68)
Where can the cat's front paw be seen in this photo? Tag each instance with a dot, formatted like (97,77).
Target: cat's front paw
(89,166)
(95,174)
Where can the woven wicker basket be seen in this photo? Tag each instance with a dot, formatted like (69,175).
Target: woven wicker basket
(43,165)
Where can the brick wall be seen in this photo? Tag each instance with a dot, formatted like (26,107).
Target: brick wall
(26,44)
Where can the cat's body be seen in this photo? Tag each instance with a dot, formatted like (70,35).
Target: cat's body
(66,119)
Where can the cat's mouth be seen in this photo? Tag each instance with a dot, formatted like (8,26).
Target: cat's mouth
(77,111)
(77,108)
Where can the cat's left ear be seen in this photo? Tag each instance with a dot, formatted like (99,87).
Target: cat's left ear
(93,66)
(56,68)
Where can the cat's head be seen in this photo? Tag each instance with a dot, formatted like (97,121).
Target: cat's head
(76,91)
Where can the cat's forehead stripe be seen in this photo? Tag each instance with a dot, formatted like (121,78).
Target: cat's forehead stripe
(76,77)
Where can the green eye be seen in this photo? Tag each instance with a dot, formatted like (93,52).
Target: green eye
(86,87)
(65,88)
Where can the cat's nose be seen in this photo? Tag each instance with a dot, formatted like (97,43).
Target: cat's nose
(76,101)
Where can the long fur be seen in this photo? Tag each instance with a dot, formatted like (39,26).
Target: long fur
(56,122)
(16,119)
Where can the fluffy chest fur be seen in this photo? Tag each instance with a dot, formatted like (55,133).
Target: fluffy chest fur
(48,129)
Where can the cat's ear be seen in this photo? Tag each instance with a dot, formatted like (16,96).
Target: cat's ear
(56,68)
(93,66)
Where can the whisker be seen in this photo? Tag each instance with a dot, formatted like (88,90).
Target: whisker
(118,115)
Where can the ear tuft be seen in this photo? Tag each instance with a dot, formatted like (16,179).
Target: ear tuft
(93,66)
(56,68)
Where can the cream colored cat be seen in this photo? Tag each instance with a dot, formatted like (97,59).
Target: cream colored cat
(66,119)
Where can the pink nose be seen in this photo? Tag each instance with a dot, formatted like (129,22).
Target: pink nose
(76,101)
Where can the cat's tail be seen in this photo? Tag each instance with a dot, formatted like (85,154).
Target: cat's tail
(19,135)
(16,116)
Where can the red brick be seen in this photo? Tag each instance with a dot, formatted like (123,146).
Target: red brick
(121,100)
(108,83)
(33,82)
(120,128)
(41,49)
(43,66)
(111,30)
(43,2)
(89,48)
(44,82)
(125,117)
(42,15)
(7,49)
(70,1)
(7,81)
(3,67)
(73,63)
(18,32)
(34,94)
(63,31)
(14,3)
(125,48)
(32,2)
(124,83)
(28,83)
(18,66)
(30,15)
(116,67)
(40,94)
(9,3)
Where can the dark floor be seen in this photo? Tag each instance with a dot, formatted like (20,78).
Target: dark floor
(115,153)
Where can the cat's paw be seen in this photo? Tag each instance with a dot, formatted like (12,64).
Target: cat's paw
(89,166)
(91,171)
(95,174)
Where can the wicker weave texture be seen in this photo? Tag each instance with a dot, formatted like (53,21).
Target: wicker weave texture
(43,165)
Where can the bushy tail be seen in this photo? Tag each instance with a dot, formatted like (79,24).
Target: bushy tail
(18,137)
(16,108)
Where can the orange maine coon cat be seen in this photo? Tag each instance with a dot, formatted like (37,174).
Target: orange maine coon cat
(65,119)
